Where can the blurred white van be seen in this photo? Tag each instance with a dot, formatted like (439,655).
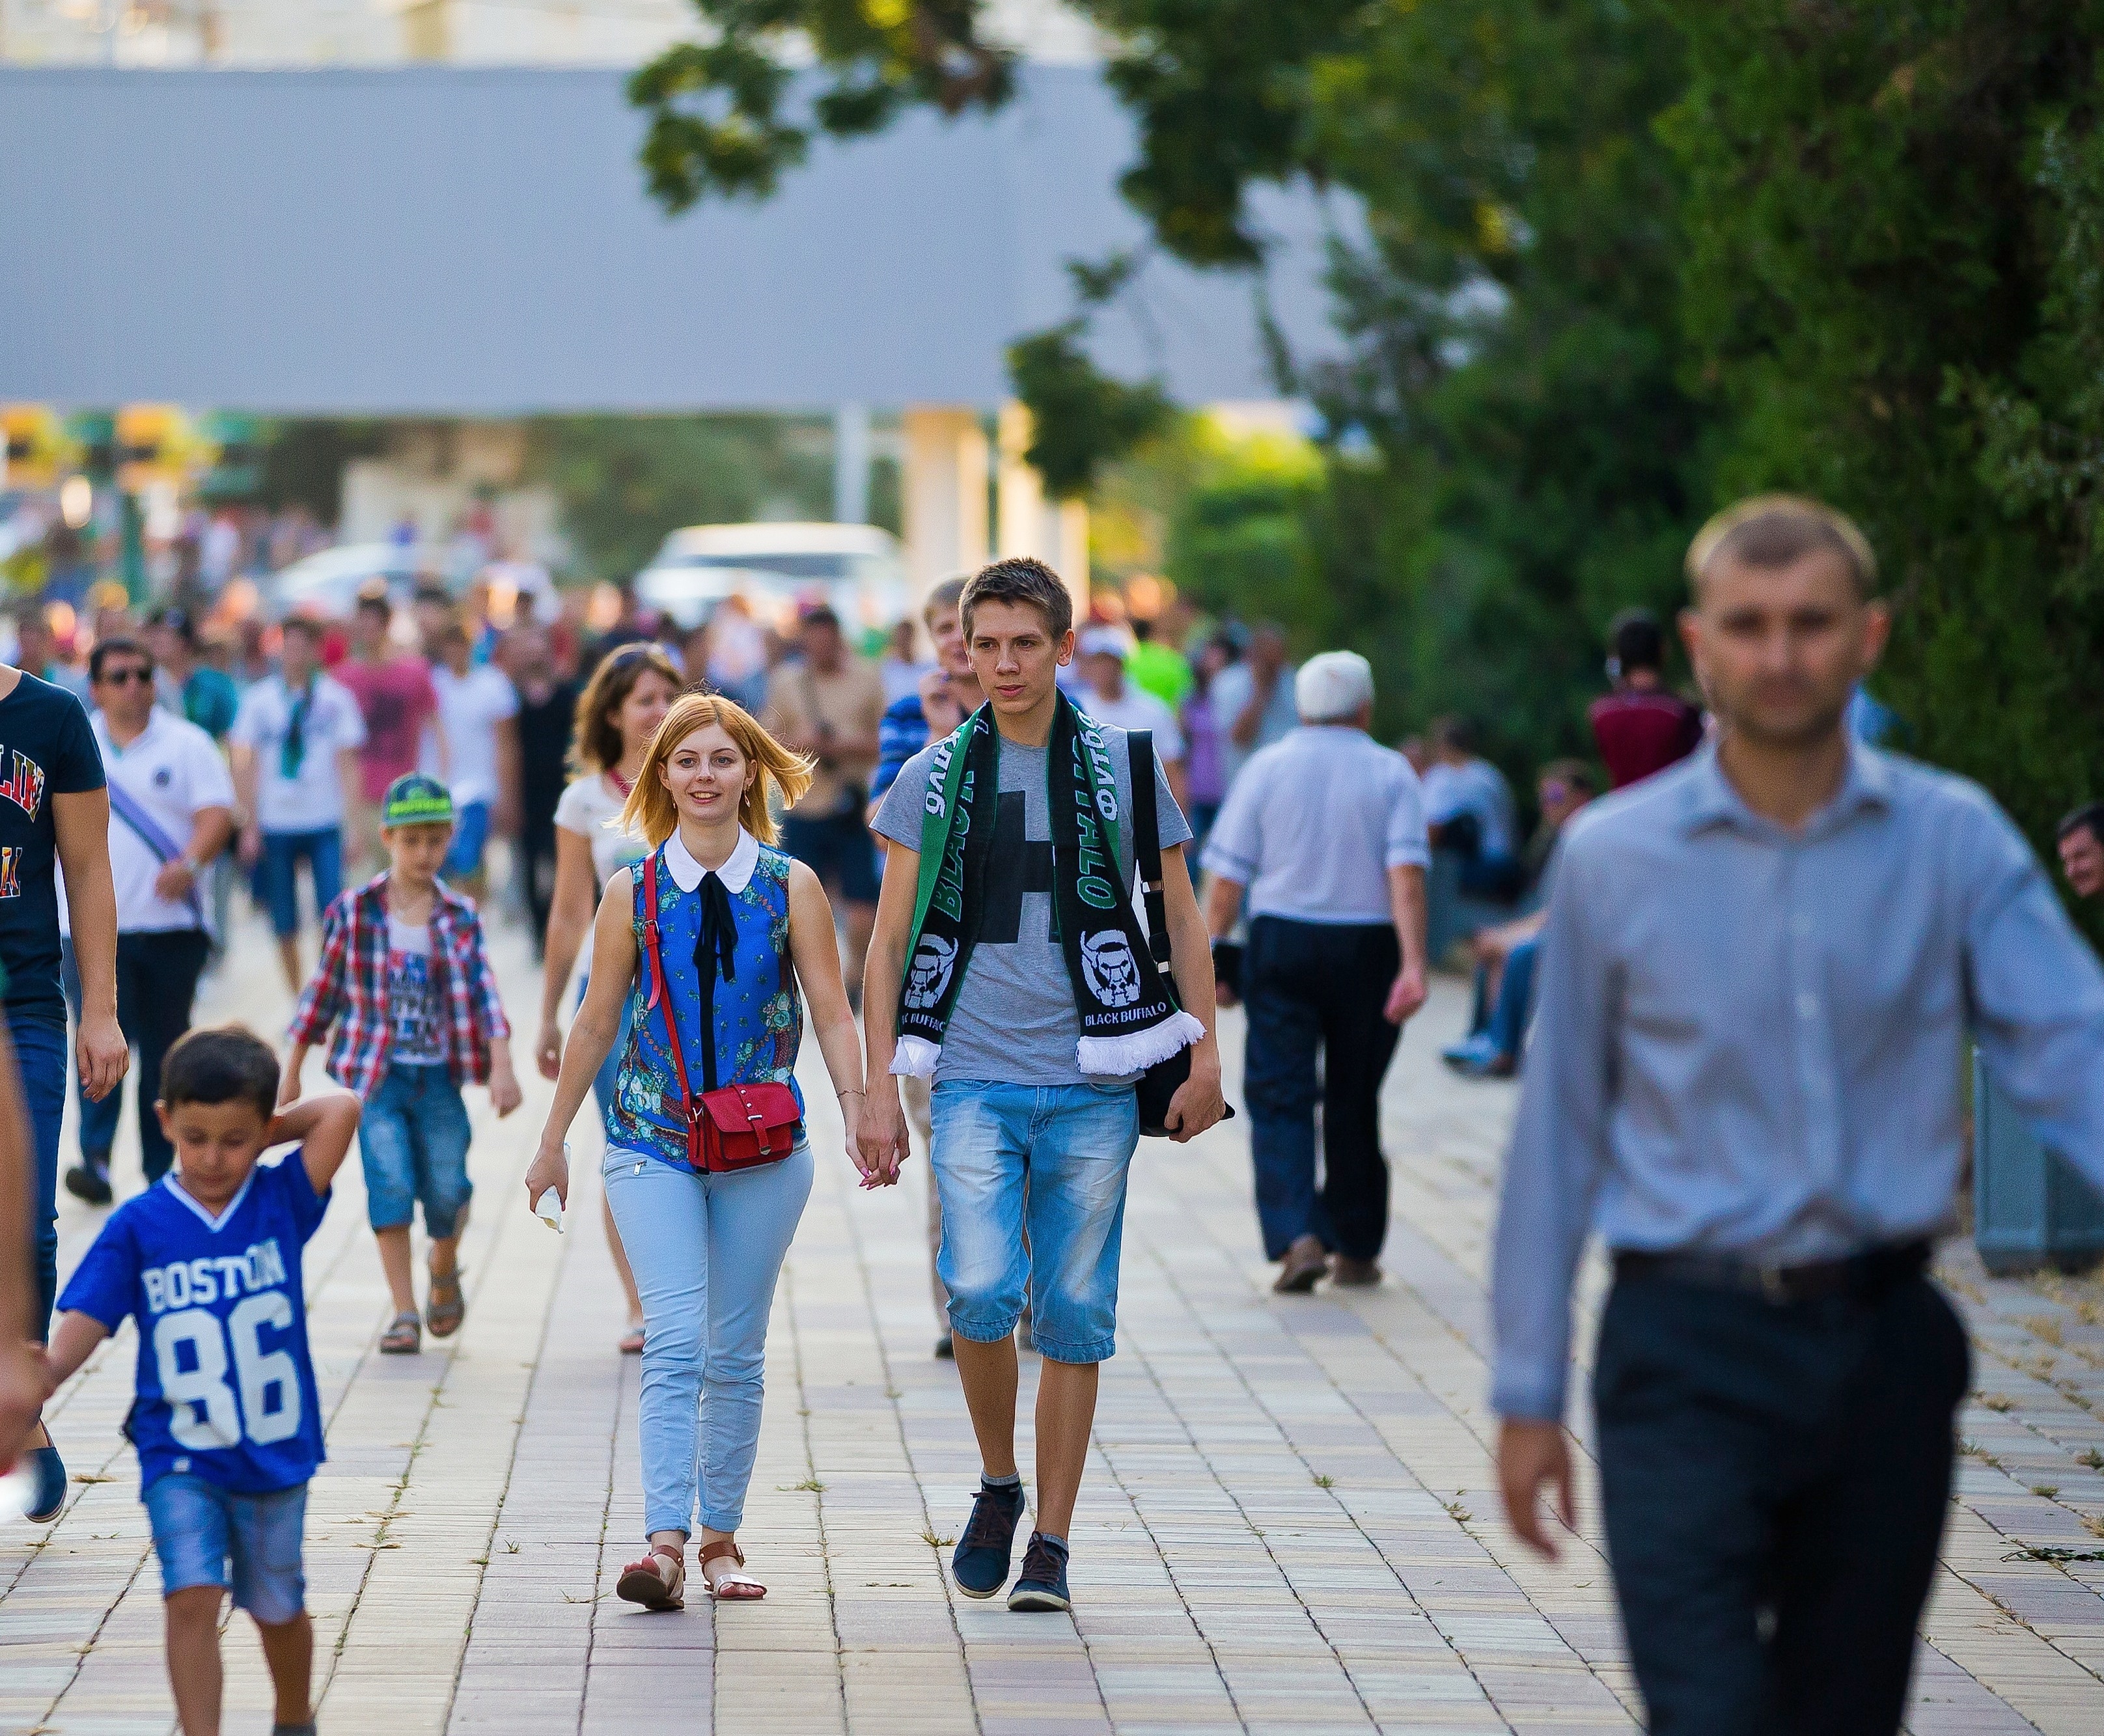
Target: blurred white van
(779,569)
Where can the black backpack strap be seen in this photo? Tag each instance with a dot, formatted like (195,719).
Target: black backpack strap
(1147,842)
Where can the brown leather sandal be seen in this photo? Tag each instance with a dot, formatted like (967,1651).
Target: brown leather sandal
(651,1583)
(731,1587)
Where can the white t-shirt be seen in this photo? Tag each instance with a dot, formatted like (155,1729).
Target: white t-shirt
(470,707)
(171,771)
(311,800)
(585,809)
(1136,709)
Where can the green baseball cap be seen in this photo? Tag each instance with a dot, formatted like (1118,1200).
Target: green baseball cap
(417,800)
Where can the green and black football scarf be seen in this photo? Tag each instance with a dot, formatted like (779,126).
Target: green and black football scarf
(1129,1018)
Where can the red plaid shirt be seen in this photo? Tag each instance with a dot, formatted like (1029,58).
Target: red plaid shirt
(350,989)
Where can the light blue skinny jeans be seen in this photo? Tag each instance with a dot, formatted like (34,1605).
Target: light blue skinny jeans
(706,1250)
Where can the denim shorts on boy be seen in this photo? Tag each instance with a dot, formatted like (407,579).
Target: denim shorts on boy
(412,1144)
(247,1544)
(278,873)
(1072,1145)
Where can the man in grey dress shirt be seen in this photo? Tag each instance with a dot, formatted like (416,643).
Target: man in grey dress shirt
(1760,970)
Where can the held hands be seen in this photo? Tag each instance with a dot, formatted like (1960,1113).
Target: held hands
(1406,995)
(876,1135)
(1531,1454)
(550,1168)
(548,1050)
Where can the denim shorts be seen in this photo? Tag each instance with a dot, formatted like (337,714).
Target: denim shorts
(278,873)
(413,1142)
(470,838)
(1050,1159)
(249,1544)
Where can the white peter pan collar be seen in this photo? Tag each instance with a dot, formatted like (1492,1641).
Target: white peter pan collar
(736,874)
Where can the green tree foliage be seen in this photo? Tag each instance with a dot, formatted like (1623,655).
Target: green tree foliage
(626,481)
(1895,232)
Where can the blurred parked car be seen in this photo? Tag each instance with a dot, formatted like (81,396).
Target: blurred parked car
(779,569)
(327,583)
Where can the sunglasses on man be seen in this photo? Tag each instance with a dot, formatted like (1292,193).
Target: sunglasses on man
(142,674)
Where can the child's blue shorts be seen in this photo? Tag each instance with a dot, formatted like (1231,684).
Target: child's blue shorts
(249,1544)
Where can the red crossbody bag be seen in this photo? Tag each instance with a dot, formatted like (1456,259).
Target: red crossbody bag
(738,1127)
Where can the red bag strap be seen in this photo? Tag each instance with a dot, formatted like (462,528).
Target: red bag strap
(654,971)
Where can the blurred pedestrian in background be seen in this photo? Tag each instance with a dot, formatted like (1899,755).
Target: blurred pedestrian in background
(1156,667)
(191,688)
(1469,808)
(1253,697)
(479,717)
(1503,954)
(1108,698)
(546,722)
(900,669)
(1640,728)
(401,708)
(1204,741)
(1757,975)
(36,652)
(2080,838)
(616,716)
(829,704)
(1325,831)
(55,815)
(172,816)
(294,749)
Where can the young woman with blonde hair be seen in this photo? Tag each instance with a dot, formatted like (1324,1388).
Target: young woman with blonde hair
(617,717)
(714,978)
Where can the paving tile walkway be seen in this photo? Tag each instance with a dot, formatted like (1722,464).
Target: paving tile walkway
(1288,1523)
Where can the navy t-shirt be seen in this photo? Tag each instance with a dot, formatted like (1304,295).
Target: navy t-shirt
(225,1387)
(47,749)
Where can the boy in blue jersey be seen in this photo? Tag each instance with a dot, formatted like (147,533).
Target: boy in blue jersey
(227,1421)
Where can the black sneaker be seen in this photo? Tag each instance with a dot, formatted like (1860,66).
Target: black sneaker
(90,1180)
(980,1565)
(946,1349)
(1042,1583)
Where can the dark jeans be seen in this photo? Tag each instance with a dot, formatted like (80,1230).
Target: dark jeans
(536,872)
(1505,1022)
(1318,987)
(40,1054)
(1775,1478)
(157,978)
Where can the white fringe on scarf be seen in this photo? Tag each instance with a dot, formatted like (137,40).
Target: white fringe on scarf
(1113,1058)
(915,1057)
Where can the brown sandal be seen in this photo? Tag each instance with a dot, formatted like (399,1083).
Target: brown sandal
(732,1587)
(442,1319)
(651,1585)
(404,1336)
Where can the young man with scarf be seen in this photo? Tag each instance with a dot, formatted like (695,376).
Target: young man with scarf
(1009,965)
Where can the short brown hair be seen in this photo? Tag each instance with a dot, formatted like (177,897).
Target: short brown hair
(595,743)
(1772,531)
(650,809)
(1021,578)
(947,595)
(220,1064)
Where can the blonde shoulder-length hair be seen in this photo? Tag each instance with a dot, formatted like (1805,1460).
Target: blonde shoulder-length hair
(651,813)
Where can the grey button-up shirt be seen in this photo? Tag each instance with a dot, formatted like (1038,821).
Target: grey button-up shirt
(1750,1041)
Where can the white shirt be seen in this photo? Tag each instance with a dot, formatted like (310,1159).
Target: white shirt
(1314,823)
(586,808)
(172,770)
(1232,691)
(1137,709)
(470,707)
(1479,788)
(313,800)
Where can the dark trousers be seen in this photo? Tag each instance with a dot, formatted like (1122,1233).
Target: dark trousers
(1318,989)
(157,978)
(537,872)
(1775,1478)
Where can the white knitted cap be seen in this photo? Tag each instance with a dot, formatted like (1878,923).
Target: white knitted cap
(1332,687)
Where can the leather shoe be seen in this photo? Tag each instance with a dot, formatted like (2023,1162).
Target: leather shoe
(1358,1273)
(1307,1263)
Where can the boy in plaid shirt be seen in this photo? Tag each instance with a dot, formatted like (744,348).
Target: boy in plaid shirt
(406,982)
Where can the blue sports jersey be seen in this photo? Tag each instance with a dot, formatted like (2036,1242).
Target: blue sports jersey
(226,1389)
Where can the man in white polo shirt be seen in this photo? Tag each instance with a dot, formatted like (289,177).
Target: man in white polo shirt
(170,815)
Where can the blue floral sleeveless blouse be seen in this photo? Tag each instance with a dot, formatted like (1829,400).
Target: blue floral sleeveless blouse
(758,1014)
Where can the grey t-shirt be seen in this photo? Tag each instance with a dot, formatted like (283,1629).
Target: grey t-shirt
(1014,1022)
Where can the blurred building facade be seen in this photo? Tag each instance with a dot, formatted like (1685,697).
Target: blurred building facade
(379,32)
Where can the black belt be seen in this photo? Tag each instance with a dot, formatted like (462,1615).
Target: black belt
(1865,1276)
